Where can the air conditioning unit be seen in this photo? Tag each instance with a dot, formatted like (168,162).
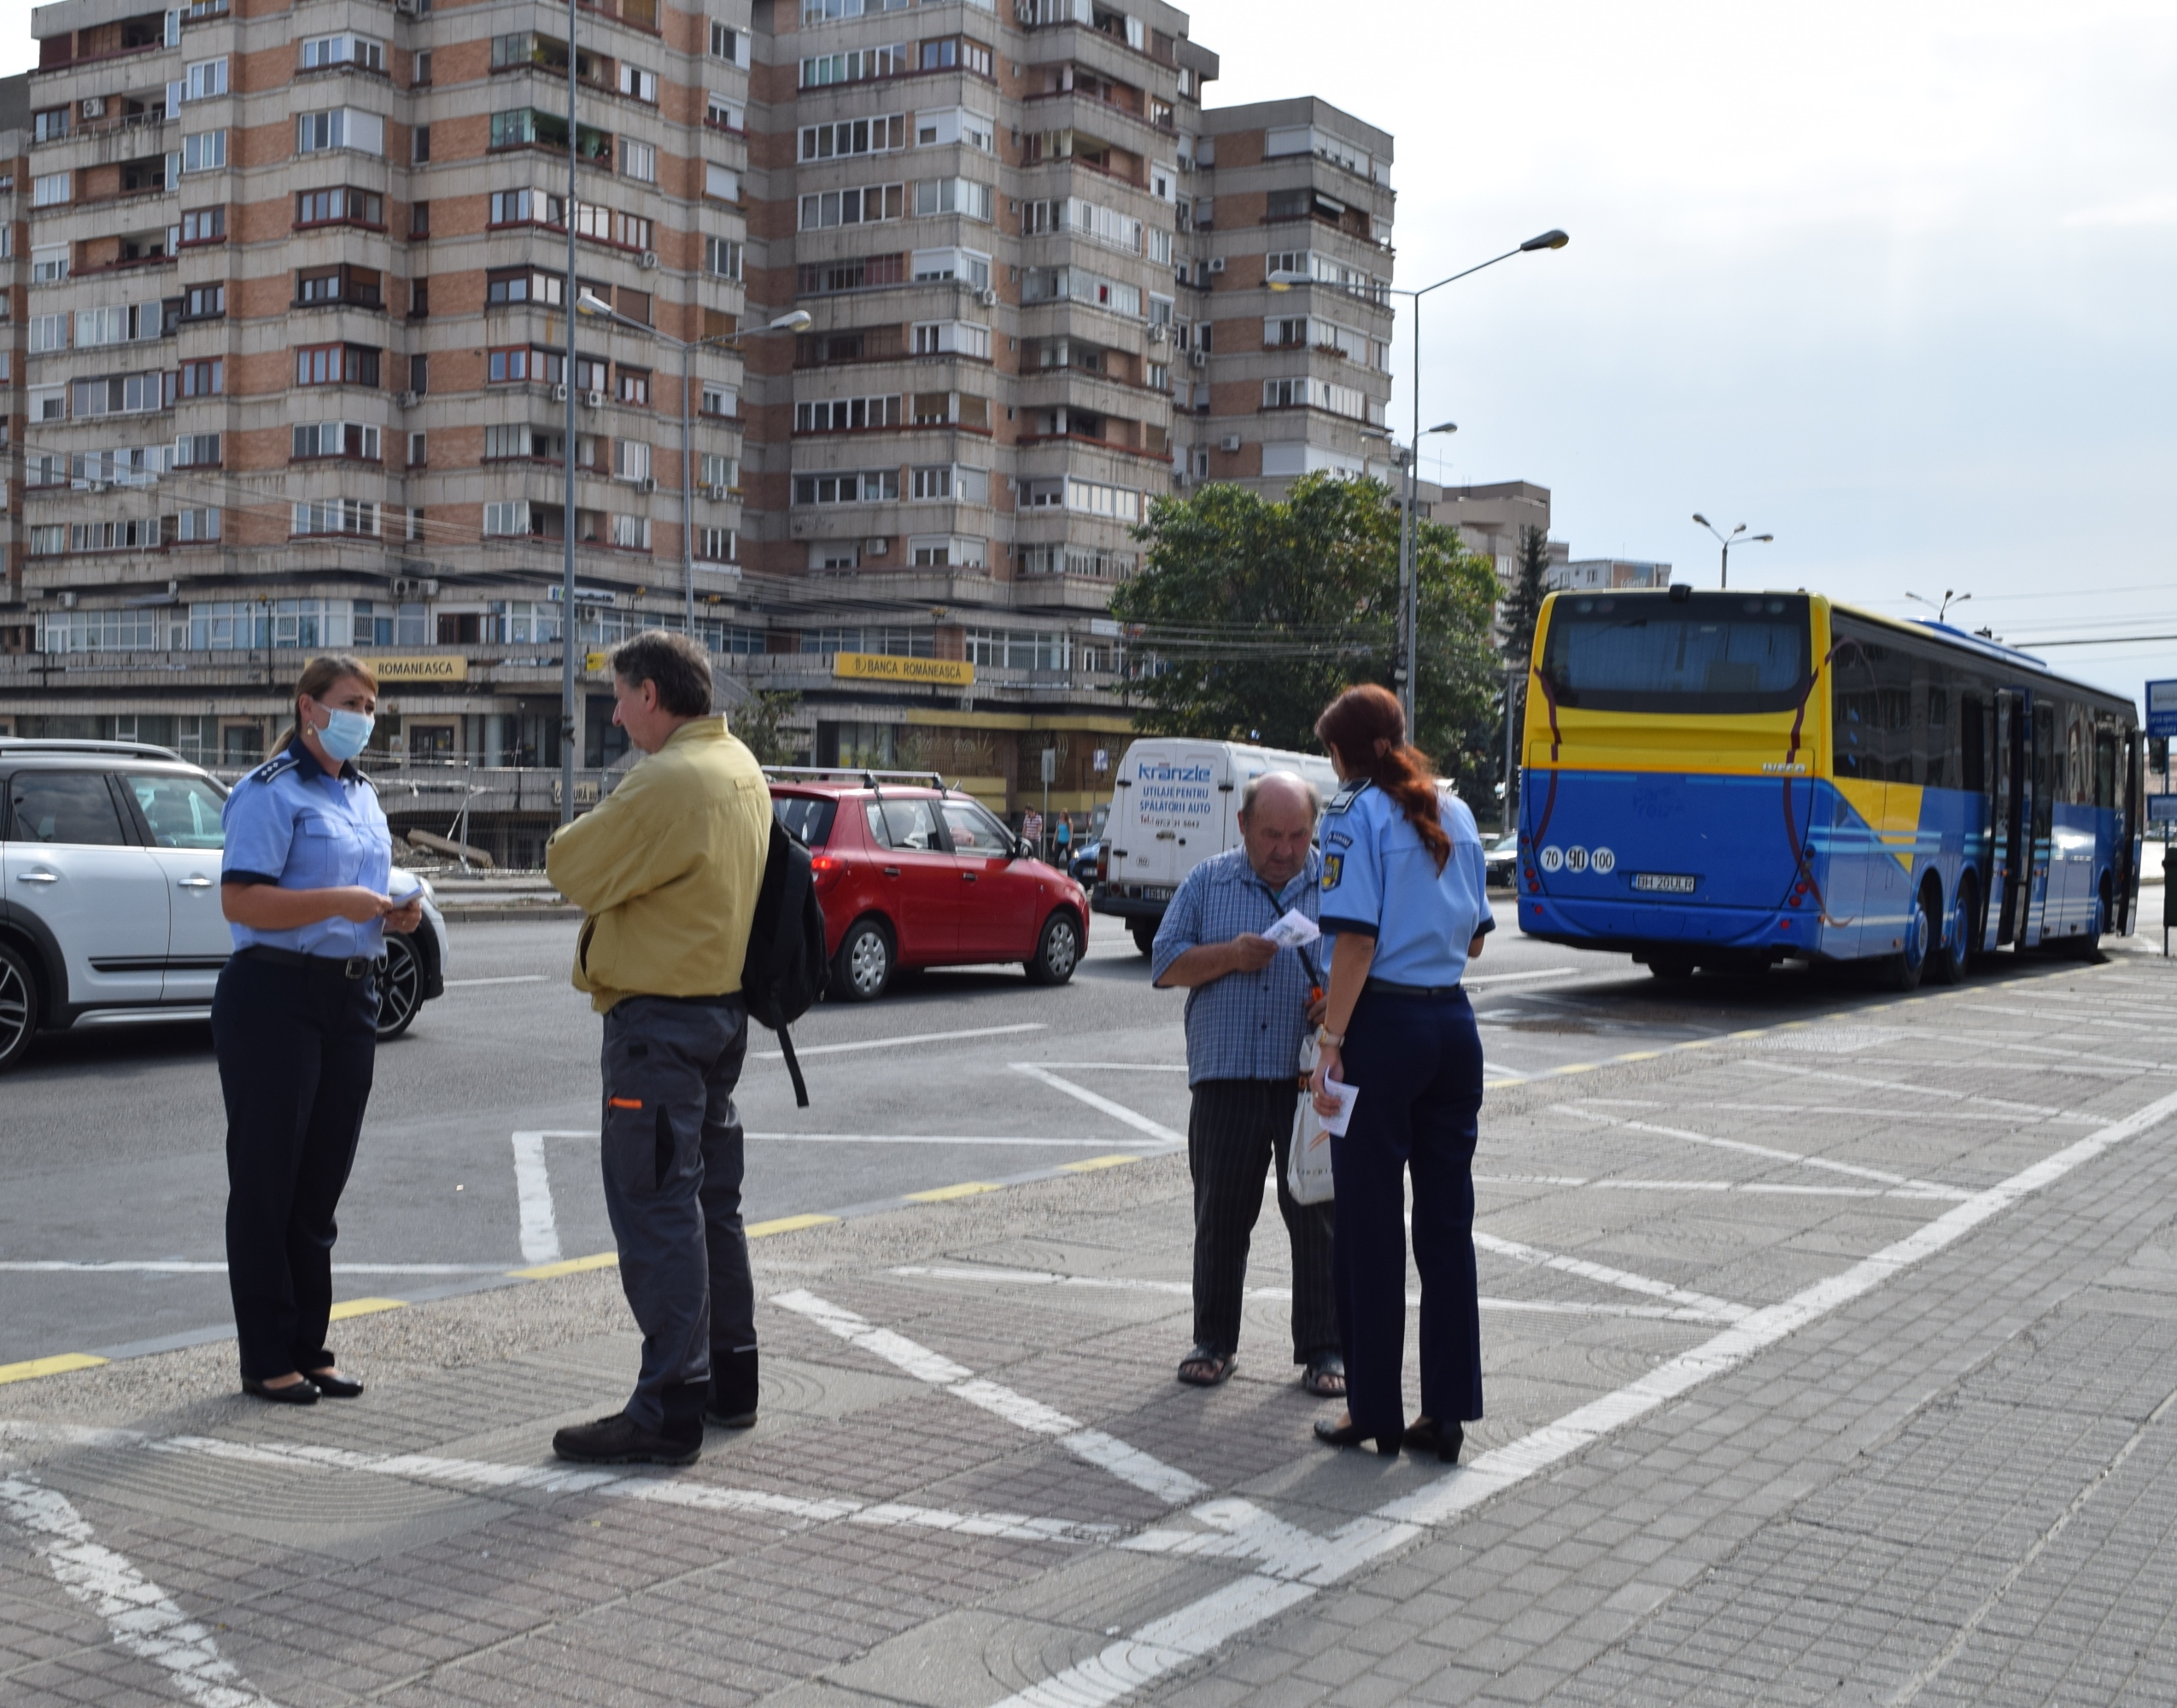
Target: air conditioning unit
(1179,476)
(559,394)
(647,483)
(649,259)
(94,106)
(406,587)
(1198,359)
(407,8)
(409,400)
(1216,263)
(1231,441)
(1159,334)
(719,493)
(877,547)
(67,601)
(592,400)
(987,297)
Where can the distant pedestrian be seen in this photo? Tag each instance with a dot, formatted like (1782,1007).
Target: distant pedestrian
(1064,839)
(667,868)
(302,883)
(1404,907)
(1248,1006)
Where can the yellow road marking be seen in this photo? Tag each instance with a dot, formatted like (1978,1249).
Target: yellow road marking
(966,1189)
(1090,1164)
(30,1368)
(364,1308)
(786,1225)
(572,1265)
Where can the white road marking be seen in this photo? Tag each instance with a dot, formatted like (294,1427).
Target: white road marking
(1925,1188)
(1200,1628)
(143,1617)
(1894,1115)
(1118,1112)
(177,1266)
(533,1187)
(891,1043)
(1942,1091)
(929,1138)
(1716,1310)
(1127,1067)
(1753,1186)
(510,979)
(1130,1465)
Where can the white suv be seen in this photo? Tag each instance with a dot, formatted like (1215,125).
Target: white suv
(109,895)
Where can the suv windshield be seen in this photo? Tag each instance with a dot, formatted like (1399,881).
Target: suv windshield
(1714,653)
(808,816)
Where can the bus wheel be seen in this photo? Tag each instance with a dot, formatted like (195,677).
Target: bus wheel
(1945,964)
(1905,968)
(1972,925)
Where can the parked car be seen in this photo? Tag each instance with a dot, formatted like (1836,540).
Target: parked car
(1502,856)
(1083,864)
(910,874)
(109,895)
(413,970)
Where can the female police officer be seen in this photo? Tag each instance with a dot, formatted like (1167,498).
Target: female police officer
(294,1022)
(1404,899)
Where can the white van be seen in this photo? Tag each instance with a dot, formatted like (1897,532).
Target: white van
(1175,803)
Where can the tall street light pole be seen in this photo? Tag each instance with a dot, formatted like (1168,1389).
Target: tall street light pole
(1729,540)
(1942,610)
(568,638)
(1409,602)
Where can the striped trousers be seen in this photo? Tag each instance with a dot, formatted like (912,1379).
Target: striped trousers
(1236,1129)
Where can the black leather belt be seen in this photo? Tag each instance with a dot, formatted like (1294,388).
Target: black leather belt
(348,966)
(1390,988)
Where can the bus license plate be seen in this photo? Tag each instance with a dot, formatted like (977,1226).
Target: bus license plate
(1154,893)
(1664,883)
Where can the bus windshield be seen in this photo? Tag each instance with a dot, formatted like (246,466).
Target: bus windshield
(1715,652)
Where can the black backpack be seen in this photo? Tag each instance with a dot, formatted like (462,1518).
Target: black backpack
(785,968)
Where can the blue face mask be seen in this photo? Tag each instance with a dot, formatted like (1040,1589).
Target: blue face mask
(346,734)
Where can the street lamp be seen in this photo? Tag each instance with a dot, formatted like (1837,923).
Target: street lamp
(1943,609)
(799,320)
(1408,603)
(1729,540)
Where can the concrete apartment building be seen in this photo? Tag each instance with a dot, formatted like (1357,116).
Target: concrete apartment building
(284,285)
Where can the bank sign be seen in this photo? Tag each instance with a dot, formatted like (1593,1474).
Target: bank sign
(2162,708)
(1174,795)
(882,667)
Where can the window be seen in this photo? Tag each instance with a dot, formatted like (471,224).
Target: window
(419,144)
(506,366)
(321,52)
(506,520)
(419,220)
(197,451)
(48,402)
(48,539)
(630,460)
(635,385)
(722,258)
(49,263)
(638,161)
(721,183)
(357,286)
(716,546)
(954,196)
(206,151)
(204,80)
(853,207)
(1018,649)
(855,65)
(337,365)
(350,439)
(956,52)
(964,264)
(931,483)
(120,324)
(204,302)
(726,45)
(523,284)
(714,470)
(1318,394)
(339,206)
(204,378)
(528,206)
(48,332)
(937,551)
(419,70)
(637,84)
(50,125)
(604,225)
(134,534)
(335,516)
(845,414)
(120,394)
(340,128)
(527,127)
(952,337)
(197,527)
(721,113)
(1091,219)
(631,533)
(850,137)
(846,488)
(204,225)
(50,190)
(955,125)
(65,807)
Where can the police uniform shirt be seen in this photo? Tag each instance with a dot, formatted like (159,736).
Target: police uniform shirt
(290,824)
(1380,880)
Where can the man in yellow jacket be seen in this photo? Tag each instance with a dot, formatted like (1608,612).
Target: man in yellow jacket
(666,868)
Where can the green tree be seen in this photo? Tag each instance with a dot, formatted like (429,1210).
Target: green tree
(1252,614)
(1523,605)
(760,722)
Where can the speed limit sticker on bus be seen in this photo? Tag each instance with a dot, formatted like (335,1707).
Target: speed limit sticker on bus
(1668,883)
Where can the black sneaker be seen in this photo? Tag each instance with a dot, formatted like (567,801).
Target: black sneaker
(619,1440)
(732,1403)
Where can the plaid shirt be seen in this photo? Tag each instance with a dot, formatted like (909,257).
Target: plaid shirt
(1244,1026)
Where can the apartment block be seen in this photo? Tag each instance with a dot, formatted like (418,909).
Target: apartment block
(288,279)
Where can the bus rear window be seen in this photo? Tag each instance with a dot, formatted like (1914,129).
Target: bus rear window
(808,816)
(1716,652)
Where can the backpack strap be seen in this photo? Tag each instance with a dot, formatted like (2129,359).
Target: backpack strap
(794,1069)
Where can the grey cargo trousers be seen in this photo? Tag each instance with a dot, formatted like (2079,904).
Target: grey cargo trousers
(673,1161)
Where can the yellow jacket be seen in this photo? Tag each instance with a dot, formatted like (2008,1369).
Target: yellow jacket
(667,867)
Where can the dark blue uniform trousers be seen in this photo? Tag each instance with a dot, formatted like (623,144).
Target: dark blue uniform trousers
(1418,1062)
(296,1046)
(673,1160)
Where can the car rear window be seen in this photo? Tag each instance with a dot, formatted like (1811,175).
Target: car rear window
(808,816)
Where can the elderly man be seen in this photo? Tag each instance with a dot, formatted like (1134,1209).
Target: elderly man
(1248,1004)
(666,868)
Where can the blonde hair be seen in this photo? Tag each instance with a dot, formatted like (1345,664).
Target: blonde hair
(318,675)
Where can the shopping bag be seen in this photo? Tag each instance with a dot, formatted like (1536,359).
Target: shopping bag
(1308,1160)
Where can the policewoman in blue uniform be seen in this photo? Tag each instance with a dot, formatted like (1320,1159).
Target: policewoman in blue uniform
(1405,902)
(294,1022)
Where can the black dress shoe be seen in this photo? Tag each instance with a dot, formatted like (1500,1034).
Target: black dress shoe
(619,1440)
(1352,1435)
(335,1386)
(1427,1435)
(302,1393)
(731,1402)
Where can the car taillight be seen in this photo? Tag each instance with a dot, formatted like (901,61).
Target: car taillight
(1103,865)
(826,868)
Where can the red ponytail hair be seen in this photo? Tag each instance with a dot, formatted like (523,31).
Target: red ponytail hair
(1366,728)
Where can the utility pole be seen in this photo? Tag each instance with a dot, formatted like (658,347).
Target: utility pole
(569,637)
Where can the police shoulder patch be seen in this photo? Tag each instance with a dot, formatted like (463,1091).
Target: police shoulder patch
(1347,795)
(281,762)
(1333,869)
(1338,839)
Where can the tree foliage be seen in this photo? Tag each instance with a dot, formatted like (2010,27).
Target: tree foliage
(1523,605)
(760,722)
(1254,613)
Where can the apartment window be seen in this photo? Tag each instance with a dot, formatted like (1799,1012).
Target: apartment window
(722,257)
(631,533)
(350,439)
(720,400)
(850,137)
(638,161)
(197,451)
(937,551)
(635,385)
(721,183)
(49,541)
(859,206)
(507,367)
(845,414)
(49,403)
(320,53)
(118,324)
(50,125)
(933,483)
(50,190)
(605,226)
(419,373)
(634,304)
(870,487)
(119,394)
(726,45)
(204,80)
(49,263)
(337,365)
(507,520)
(956,52)
(197,527)
(721,113)
(952,337)
(204,225)
(954,196)
(528,208)
(713,470)
(419,450)
(418,299)
(637,84)
(419,71)
(342,207)
(203,378)
(1019,649)
(134,534)
(527,127)
(204,302)
(967,265)
(48,332)
(359,287)
(341,127)
(206,151)
(716,546)
(419,144)
(335,516)
(1159,245)
(523,284)
(956,125)
(630,460)
(856,65)
(418,220)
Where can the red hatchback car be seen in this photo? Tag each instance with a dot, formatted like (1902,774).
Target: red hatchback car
(910,874)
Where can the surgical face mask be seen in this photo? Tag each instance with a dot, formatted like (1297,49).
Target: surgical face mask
(346,734)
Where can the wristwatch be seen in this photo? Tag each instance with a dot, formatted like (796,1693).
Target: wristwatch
(1334,1040)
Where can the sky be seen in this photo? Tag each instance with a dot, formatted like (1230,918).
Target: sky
(1892,283)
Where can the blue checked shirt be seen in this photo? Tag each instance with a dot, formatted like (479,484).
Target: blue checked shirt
(1244,1026)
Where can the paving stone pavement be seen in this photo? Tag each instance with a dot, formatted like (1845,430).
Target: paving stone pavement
(1832,1363)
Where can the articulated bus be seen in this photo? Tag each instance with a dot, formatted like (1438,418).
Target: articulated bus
(1730,780)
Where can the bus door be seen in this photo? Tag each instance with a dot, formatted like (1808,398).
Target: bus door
(2040,768)
(2128,832)
(2007,800)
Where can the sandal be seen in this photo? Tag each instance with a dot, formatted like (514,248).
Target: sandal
(1217,1364)
(1325,1377)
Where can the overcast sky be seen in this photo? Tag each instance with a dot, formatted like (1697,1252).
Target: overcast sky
(1893,283)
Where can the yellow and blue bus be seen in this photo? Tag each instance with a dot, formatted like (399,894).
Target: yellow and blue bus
(1730,779)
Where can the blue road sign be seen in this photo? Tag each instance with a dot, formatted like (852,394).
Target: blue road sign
(2162,810)
(2162,708)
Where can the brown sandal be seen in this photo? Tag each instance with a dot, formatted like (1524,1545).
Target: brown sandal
(1219,1366)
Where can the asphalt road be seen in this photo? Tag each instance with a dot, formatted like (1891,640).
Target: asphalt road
(111,1143)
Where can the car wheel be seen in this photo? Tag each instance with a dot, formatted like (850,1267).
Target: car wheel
(18,1006)
(1670,966)
(400,987)
(1058,951)
(863,967)
(1145,934)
